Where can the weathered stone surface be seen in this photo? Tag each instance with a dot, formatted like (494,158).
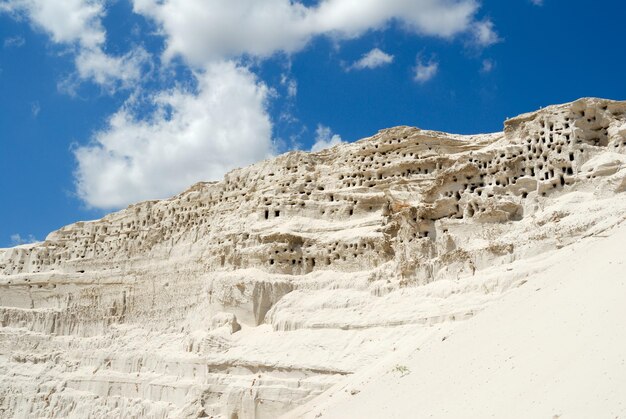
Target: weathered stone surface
(247,297)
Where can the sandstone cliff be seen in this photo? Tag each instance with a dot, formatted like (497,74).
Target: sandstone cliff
(248,297)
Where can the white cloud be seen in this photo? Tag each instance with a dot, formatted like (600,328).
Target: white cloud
(487,65)
(67,21)
(324,138)
(200,30)
(35,108)
(484,34)
(373,59)
(17,239)
(424,71)
(14,42)
(111,72)
(290,84)
(78,24)
(537,2)
(190,136)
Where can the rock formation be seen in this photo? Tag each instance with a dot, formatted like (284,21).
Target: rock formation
(248,297)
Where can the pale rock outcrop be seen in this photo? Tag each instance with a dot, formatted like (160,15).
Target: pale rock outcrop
(247,297)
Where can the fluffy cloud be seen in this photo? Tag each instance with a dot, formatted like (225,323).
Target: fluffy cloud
(190,136)
(66,21)
(111,72)
(201,30)
(35,108)
(78,25)
(324,138)
(17,239)
(487,66)
(14,42)
(373,59)
(484,34)
(290,85)
(424,71)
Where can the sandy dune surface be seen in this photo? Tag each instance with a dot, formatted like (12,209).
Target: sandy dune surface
(554,347)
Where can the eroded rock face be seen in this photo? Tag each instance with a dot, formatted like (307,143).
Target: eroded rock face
(247,297)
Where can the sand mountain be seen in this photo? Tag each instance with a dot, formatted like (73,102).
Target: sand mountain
(252,296)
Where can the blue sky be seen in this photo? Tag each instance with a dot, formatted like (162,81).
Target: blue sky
(104,103)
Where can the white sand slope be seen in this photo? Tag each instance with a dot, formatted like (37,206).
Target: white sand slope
(554,347)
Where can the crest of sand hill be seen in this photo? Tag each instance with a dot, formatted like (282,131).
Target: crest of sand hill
(248,297)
